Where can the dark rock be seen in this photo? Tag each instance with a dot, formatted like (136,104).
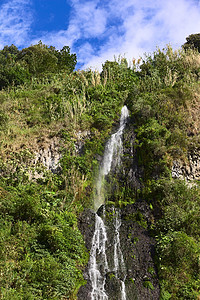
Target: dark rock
(87,226)
(137,247)
(138,250)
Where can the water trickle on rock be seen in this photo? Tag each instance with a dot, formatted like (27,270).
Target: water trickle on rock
(98,264)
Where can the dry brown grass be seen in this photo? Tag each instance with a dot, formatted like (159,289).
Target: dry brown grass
(193,108)
(192,60)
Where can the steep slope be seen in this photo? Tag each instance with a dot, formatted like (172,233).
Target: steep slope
(53,129)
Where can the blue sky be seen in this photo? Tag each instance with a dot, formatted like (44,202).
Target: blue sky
(98,30)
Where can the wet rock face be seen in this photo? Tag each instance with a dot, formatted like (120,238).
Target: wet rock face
(190,170)
(129,171)
(128,234)
(136,246)
(138,250)
(87,227)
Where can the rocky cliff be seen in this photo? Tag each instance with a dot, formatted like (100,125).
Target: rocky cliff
(189,170)
(134,220)
(138,249)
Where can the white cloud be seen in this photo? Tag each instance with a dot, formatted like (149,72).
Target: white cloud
(147,24)
(100,29)
(180,19)
(15,22)
(90,19)
(87,21)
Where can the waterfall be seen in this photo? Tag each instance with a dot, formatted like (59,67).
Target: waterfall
(112,157)
(118,257)
(123,290)
(98,261)
(119,265)
(98,264)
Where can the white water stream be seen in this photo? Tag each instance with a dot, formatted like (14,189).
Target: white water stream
(98,264)
(111,158)
(119,265)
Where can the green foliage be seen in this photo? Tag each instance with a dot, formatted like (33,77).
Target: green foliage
(42,59)
(179,265)
(10,51)
(107,103)
(193,41)
(168,68)
(177,234)
(148,284)
(66,61)
(138,218)
(12,72)
(177,203)
(3,120)
(38,59)
(119,74)
(40,246)
(18,66)
(161,107)
(165,295)
(41,249)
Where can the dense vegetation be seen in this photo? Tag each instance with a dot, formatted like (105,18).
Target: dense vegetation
(165,108)
(42,98)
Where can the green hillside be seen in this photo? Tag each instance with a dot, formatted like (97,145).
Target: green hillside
(46,104)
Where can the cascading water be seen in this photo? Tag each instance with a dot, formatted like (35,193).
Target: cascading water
(112,157)
(119,265)
(98,264)
(98,260)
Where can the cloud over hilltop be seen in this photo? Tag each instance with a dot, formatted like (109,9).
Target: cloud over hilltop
(97,30)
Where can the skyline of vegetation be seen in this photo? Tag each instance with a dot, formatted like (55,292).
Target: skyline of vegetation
(42,97)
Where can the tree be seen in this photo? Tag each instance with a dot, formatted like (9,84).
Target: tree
(43,59)
(39,58)
(12,71)
(11,51)
(18,66)
(65,59)
(193,42)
